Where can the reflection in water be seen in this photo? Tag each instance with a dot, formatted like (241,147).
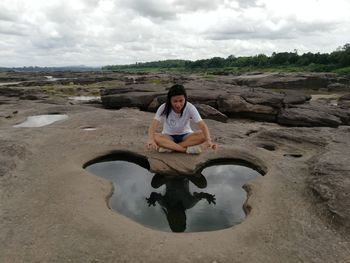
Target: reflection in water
(179,204)
(41,120)
(89,129)
(9,83)
(177,198)
(84,98)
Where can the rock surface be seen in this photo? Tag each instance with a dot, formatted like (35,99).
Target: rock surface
(258,104)
(330,180)
(307,117)
(293,81)
(208,112)
(52,210)
(344,101)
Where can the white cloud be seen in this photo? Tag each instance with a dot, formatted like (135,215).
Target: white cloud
(100,32)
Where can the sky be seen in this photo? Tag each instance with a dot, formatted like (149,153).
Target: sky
(115,32)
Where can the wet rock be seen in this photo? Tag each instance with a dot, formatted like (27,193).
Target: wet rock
(208,112)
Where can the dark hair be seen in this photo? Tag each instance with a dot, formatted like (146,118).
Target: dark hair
(175,90)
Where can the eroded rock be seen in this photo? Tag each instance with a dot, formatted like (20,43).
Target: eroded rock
(344,101)
(307,118)
(49,191)
(330,180)
(140,100)
(208,112)
(291,80)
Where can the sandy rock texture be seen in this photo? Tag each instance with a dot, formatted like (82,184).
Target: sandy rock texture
(52,210)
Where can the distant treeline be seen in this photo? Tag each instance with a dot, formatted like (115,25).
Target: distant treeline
(51,69)
(308,61)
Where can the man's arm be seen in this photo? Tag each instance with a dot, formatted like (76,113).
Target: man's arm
(154,197)
(204,128)
(210,198)
(151,143)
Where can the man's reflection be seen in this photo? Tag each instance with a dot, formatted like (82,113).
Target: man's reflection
(177,198)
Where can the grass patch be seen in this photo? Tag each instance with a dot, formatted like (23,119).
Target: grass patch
(154,81)
(343,71)
(208,76)
(69,90)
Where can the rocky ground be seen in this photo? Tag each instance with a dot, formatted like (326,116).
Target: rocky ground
(294,127)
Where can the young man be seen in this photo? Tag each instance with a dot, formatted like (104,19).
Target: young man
(177,134)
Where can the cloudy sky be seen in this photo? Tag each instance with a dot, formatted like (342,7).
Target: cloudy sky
(103,32)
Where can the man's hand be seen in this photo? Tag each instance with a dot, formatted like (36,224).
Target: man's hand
(151,145)
(211,145)
(154,197)
(209,197)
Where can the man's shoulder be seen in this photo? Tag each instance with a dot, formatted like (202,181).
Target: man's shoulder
(190,105)
(161,107)
(160,111)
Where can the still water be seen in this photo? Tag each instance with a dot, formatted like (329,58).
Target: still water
(41,120)
(85,98)
(210,201)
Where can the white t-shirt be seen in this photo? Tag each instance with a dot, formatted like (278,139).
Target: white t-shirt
(176,125)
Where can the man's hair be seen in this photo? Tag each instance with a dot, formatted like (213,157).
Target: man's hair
(175,90)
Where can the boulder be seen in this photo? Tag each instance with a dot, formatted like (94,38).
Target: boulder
(307,118)
(130,88)
(134,95)
(156,102)
(295,99)
(342,114)
(344,101)
(21,93)
(264,97)
(139,100)
(11,92)
(337,87)
(208,97)
(290,80)
(208,112)
(235,104)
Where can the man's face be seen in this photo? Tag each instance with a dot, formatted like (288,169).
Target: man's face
(177,103)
